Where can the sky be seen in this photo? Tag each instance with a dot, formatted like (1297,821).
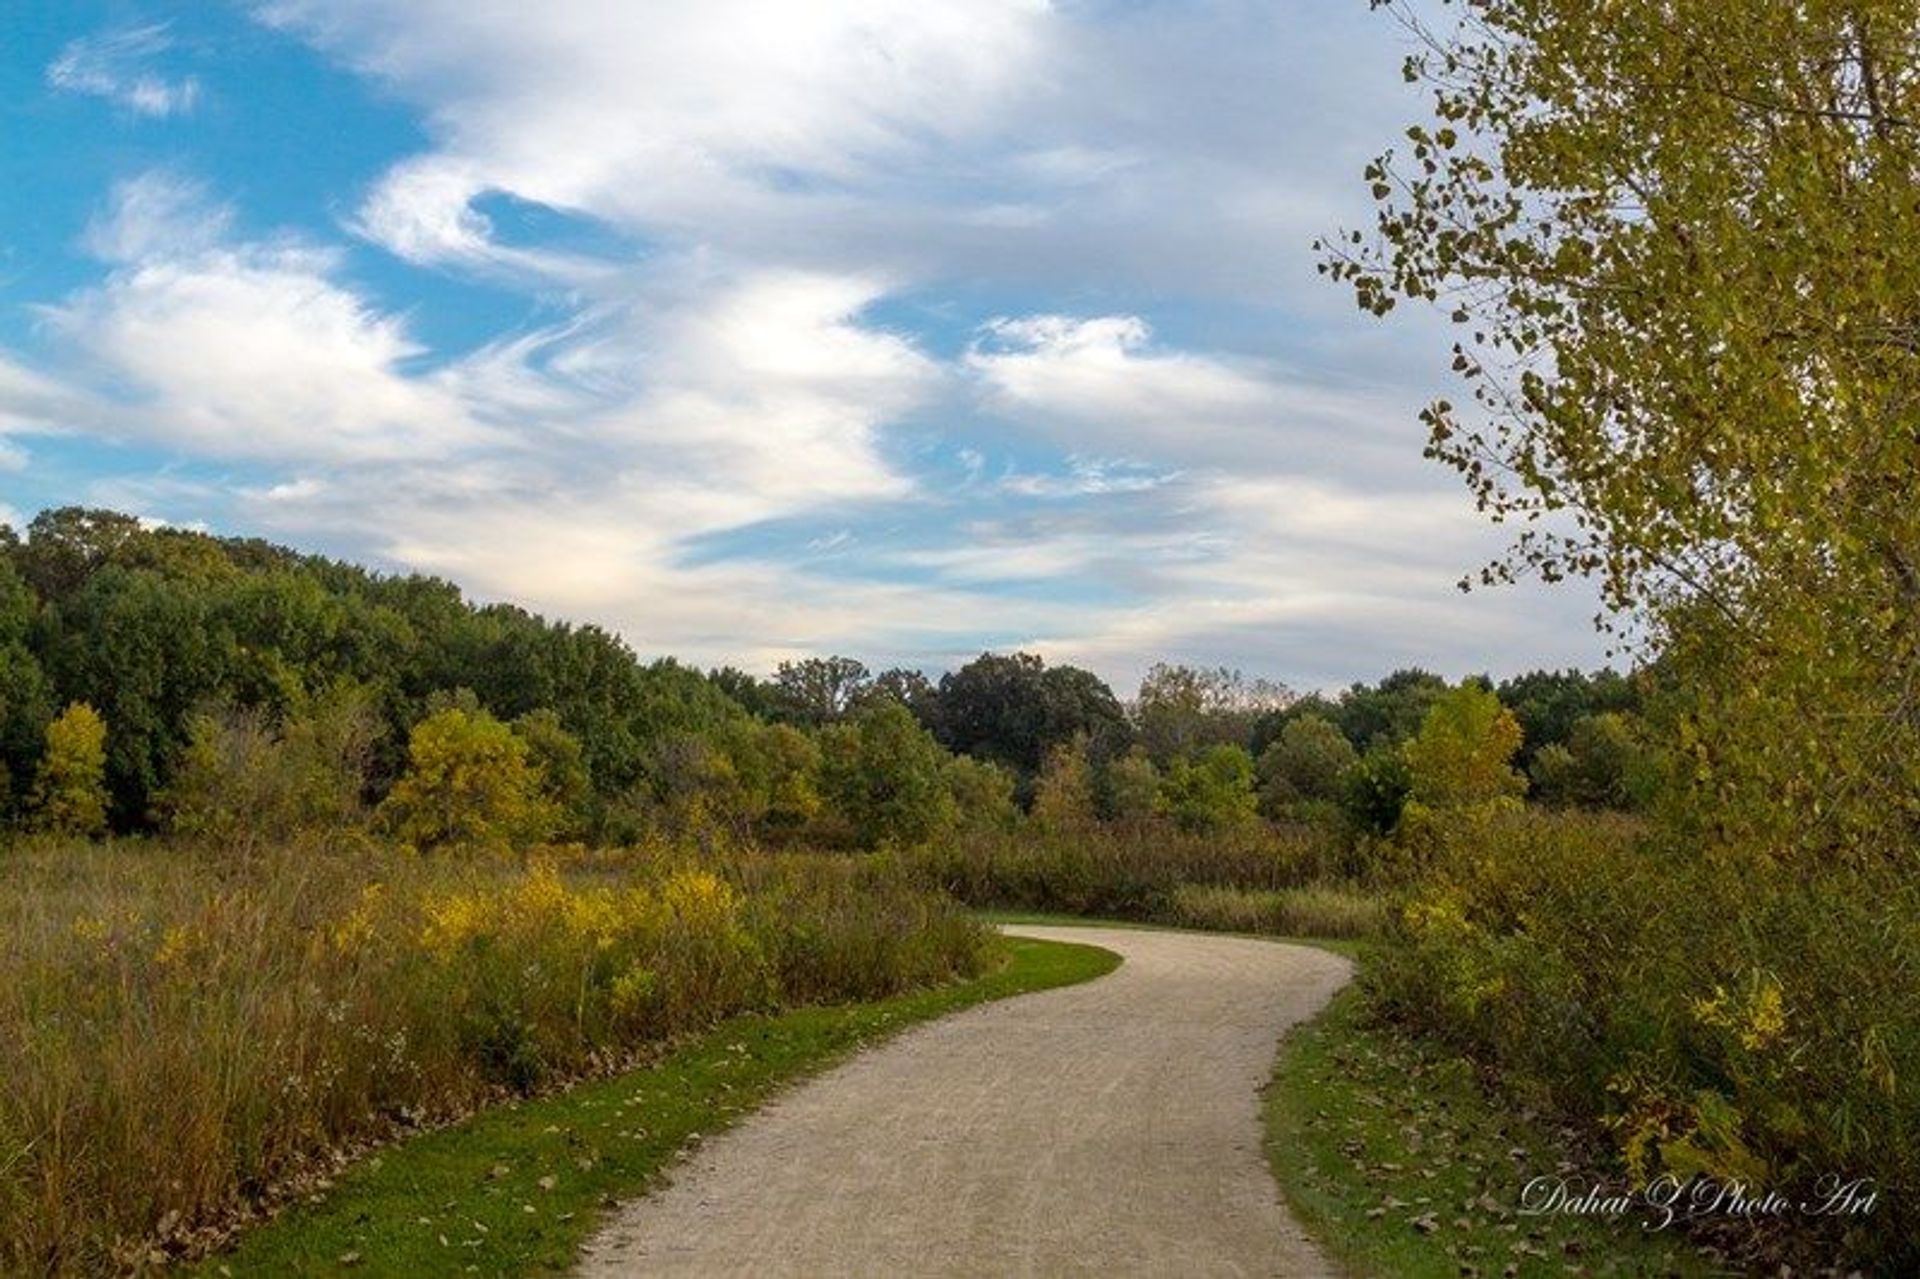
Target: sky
(756,329)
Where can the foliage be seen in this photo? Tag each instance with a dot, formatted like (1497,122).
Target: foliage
(1704,1017)
(1308,761)
(1463,753)
(886,776)
(1212,792)
(1601,765)
(983,794)
(1013,709)
(1375,790)
(1063,799)
(225,1028)
(818,690)
(69,796)
(243,780)
(469,785)
(1181,710)
(1128,787)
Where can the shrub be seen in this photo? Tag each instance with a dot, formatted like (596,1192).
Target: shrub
(1129,785)
(1063,794)
(1705,1014)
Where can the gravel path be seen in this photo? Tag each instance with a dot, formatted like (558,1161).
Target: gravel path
(1107,1128)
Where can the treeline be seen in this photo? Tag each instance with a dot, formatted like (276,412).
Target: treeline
(228,688)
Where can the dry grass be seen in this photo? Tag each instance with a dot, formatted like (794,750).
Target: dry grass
(1312,910)
(182,1031)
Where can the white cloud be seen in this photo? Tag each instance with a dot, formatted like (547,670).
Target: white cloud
(114,65)
(667,116)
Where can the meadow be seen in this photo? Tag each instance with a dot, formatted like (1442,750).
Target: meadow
(189,1035)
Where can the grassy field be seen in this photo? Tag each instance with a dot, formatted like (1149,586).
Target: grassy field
(1399,1163)
(515,1190)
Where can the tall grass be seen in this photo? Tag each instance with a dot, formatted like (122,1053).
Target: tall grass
(1134,870)
(183,1031)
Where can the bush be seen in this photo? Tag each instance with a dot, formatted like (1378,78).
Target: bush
(1707,1015)
(1306,763)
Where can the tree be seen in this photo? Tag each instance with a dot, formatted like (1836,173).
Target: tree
(886,776)
(1129,787)
(819,690)
(1211,792)
(1374,793)
(469,784)
(1595,767)
(1063,793)
(911,689)
(1181,709)
(1463,754)
(1307,762)
(70,795)
(1677,239)
(982,794)
(775,769)
(560,764)
(1012,708)
(1390,711)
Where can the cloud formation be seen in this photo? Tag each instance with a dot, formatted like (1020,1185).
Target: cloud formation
(116,65)
(894,327)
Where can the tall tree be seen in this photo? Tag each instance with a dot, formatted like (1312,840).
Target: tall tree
(1677,236)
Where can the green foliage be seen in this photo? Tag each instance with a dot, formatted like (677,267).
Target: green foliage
(818,690)
(1211,792)
(983,794)
(1390,711)
(561,765)
(1129,787)
(1013,709)
(1309,762)
(69,795)
(1463,754)
(470,784)
(1375,790)
(774,773)
(886,777)
(1182,710)
(1602,765)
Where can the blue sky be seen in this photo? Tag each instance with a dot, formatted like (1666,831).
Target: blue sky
(754,328)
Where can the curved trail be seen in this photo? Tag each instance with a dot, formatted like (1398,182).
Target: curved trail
(1106,1128)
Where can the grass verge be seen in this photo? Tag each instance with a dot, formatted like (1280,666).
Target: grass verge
(516,1190)
(1395,1158)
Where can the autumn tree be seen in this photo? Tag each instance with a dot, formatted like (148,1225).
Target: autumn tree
(1063,800)
(470,783)
(1677,239)
(70,794)
(1463,753)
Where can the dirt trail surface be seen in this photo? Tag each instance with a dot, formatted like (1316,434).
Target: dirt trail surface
(1107,1128)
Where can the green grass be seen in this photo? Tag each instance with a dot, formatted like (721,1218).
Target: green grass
(1397,1160)
(1347,946)
(517,1189)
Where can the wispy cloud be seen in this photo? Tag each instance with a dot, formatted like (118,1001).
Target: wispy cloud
(117,65)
